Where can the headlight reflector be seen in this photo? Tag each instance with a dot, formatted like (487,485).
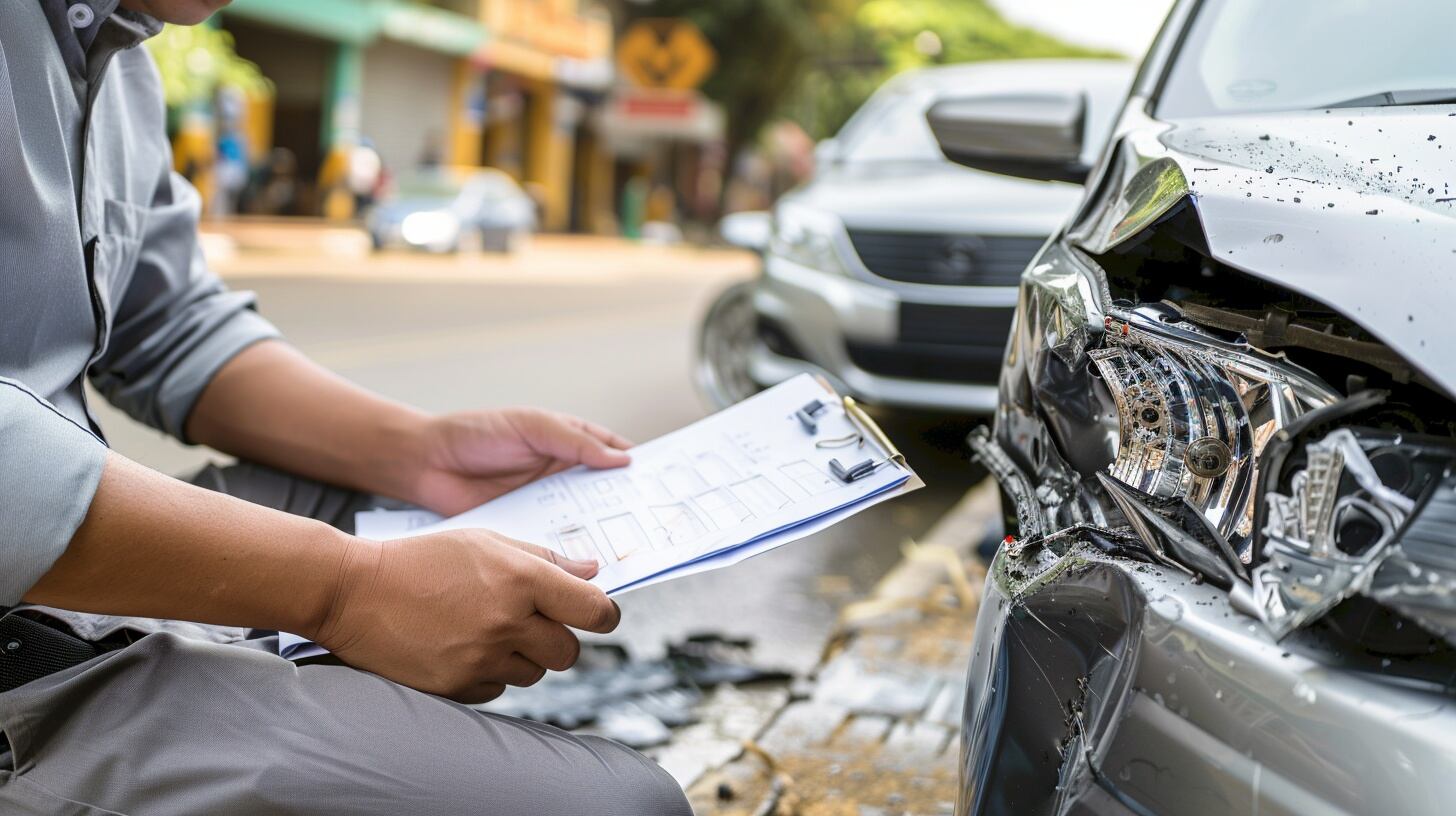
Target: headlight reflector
(1194,413)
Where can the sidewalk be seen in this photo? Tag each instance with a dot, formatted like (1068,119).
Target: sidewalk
(292,248)
(875,731)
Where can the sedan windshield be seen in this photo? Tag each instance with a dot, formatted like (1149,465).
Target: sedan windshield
(1254,55)
(891,127)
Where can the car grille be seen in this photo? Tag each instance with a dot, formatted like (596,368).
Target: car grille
(947,364)
(945,260)
(955,344)
(955,325)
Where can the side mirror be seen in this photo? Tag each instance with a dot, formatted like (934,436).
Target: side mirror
(1030,135)
(749,230)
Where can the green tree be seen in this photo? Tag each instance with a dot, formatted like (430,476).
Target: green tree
(764,48)
(964,30)
(195,60)
(816,61)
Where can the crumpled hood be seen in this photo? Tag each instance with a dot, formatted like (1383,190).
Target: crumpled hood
(1354,208)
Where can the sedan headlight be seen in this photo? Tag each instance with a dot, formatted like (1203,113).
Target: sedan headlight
(808,237)
(435,229)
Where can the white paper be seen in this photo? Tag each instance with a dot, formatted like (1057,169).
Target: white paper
(744,473)
(383,525)
(741,482)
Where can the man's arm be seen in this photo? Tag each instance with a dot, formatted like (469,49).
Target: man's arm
(460,614)
(151,546)
(273,405)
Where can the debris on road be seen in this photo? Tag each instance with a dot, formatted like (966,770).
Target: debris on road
(637,702)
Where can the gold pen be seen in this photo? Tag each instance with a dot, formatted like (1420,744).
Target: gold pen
(868,426)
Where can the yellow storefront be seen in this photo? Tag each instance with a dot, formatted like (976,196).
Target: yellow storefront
(522,101)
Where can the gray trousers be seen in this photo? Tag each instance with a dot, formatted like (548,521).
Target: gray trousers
(172,725)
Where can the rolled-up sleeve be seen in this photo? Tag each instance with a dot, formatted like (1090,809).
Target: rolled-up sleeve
(176,324)
(49,469)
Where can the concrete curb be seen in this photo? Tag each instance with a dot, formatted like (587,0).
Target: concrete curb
(875,731)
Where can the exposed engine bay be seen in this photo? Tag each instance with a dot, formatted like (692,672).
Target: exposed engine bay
(1283,455)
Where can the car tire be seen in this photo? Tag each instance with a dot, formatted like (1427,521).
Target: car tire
(505,242)
(471,242)
(726,338)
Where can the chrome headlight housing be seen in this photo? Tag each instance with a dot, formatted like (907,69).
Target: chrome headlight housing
(1195,412)
(808,237)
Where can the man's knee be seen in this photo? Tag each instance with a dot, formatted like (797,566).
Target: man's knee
(638,786)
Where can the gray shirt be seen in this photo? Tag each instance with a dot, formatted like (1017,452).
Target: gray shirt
(101,276)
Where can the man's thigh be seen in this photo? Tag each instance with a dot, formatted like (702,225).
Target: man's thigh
(297,495)
(171,726)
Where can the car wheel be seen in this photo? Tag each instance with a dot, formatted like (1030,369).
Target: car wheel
(725,342)
(503,241)
(471,242)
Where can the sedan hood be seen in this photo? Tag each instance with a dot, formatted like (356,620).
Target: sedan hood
(937,196)
(1354,208)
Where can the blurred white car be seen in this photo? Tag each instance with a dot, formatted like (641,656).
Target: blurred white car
(449,209)
(894,272)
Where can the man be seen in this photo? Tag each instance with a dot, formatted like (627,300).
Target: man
(100,277)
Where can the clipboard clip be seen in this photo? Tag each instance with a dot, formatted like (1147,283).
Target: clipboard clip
(853,473)
(809,415)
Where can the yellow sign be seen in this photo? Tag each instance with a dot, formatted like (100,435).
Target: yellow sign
(662,53)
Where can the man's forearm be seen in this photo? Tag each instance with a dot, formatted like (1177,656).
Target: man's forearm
(271,404)
(152,546)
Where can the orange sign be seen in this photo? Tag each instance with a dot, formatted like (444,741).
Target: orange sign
(662,53)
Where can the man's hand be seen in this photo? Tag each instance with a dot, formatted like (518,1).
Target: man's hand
(462,614)
(471,458)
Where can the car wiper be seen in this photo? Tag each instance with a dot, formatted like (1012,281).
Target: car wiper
(1386,99)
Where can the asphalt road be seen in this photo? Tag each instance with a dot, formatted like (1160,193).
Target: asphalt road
(596,327)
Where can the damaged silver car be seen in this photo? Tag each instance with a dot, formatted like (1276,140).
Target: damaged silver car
(1226,434)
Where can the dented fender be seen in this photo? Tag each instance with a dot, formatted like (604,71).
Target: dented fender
(1111,686)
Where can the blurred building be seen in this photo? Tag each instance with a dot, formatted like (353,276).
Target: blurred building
(522,103)
(532,87)
(353,71)
(666,137)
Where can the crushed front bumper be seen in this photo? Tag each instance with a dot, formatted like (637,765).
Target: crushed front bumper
(1112,686)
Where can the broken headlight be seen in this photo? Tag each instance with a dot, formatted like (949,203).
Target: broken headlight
(1363,511)
(1195,412)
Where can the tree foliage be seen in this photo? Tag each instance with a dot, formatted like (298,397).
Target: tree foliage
(764,47)
(816,61)
(196,60)
(966,30)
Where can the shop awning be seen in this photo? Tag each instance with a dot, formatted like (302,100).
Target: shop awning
(360,22)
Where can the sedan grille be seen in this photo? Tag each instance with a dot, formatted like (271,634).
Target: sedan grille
(945,260)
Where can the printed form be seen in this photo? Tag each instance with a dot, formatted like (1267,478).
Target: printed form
(740,482)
